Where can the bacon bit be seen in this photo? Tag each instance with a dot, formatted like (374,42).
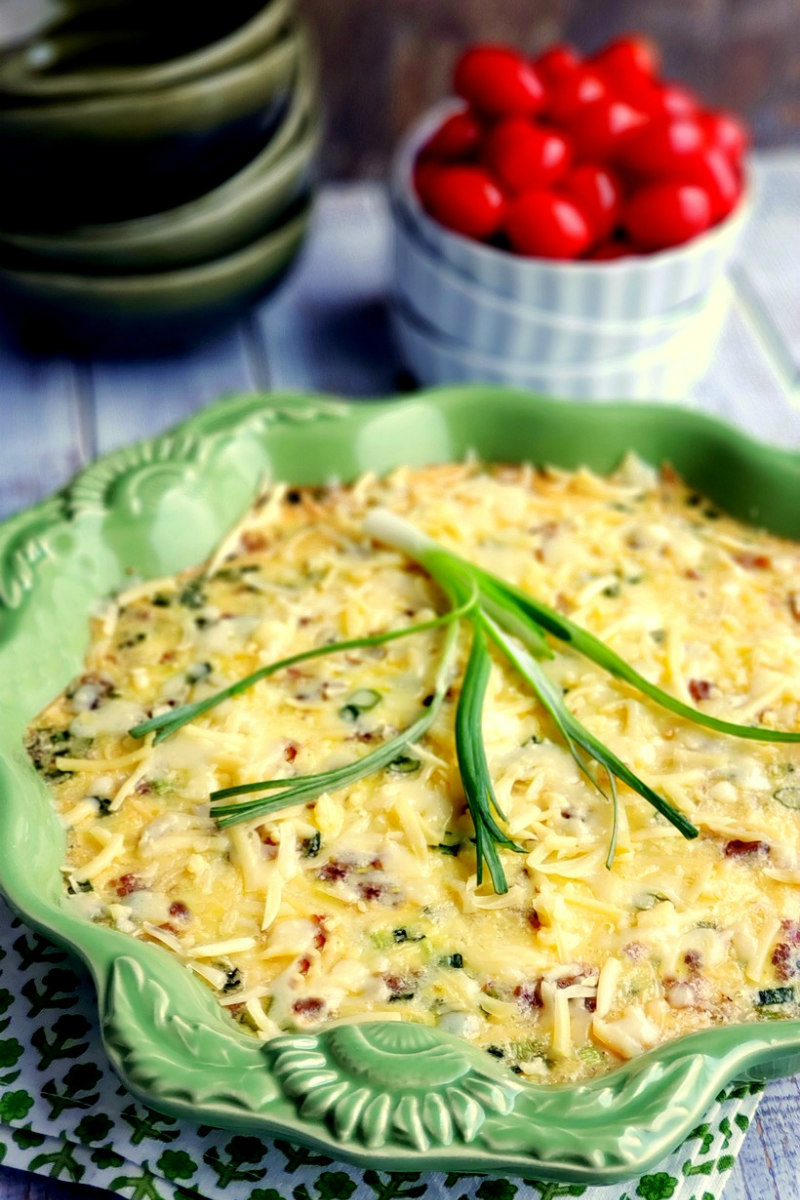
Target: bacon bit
(252,540)
(668,473)
(236,1010)
(785,961)
(304,966)
(700,689)
(321,936)
(310,1006)
(529,995)
(400,987)
(757,562)
(534,920)
(693,960)
(168,928)
(738,848)
(167,656)
(792,931)
(296,673)
(290,752)
(635,951)
(334,871)
(794,605)
(370,891)
(692,573)
(144,787)
(180,912)
(590,1003)
(586,972)
(127,884)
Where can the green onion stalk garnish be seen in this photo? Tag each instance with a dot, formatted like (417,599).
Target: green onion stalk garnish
(517,625)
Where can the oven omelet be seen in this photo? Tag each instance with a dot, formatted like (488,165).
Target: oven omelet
(364,904)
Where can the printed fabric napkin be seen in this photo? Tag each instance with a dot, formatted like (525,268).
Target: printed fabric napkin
(64,1114)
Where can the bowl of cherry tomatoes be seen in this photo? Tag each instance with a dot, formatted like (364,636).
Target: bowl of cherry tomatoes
(566,211)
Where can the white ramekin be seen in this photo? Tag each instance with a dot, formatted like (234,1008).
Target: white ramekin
(664,372)
(463,310)
(622,289)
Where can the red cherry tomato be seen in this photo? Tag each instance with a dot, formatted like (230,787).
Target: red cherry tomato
(666,214)
(499,81)
(627,57)
(557,62)
(597,192)
(523,156)
(726,132)
(465,199)
(611,250)
(599,128)
(458,137)
(547,225)
(675,100)
(424,172)
(662,148)
(569,95)
(713,170)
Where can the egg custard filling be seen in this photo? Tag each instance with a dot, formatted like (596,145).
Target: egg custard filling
(571,927)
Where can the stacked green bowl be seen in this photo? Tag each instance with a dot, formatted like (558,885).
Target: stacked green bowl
(159,167)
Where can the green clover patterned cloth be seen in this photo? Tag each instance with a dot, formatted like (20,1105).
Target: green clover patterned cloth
(64,1114)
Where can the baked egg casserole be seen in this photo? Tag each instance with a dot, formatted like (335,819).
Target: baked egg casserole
(367,901)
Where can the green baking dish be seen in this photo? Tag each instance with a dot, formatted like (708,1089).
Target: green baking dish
(395,1096)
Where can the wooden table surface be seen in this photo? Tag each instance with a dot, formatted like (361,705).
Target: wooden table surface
(327,331)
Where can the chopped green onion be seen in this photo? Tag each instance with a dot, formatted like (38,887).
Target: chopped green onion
(361,701)
(404,764)
(789,797)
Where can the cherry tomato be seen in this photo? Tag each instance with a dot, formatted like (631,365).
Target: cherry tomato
(523,156)
(611,250)
(597,192)
(675,100)
(557,62)
(713,170)
(424,171)
(726,132)
(666,214)
(458,137)
(627,57)
(547,225)
(598,129)
(569,95)
(465,199)
(499,81)
(660,149)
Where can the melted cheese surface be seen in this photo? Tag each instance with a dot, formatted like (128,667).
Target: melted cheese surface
(364,904)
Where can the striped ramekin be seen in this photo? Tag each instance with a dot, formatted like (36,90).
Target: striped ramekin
(622,289)
(461,309)
(663,372)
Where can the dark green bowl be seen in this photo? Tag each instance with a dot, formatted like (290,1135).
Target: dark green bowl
(228,217)
(67,62)
(107,312)
(390,1096)
(116,157)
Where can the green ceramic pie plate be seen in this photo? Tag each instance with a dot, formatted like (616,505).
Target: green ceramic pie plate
(394,1096)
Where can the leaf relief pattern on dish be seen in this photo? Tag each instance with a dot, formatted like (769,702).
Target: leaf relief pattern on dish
(178,1058)
(382,1082)
(24,544)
